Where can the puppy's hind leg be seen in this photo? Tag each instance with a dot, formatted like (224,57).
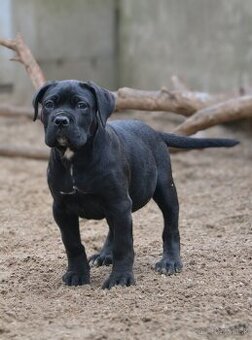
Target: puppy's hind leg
(166,198)
(104,257)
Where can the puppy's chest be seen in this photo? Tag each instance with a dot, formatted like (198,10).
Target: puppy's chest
(79,191)
(77,181)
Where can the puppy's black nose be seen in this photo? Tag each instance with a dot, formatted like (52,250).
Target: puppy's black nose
(61,121)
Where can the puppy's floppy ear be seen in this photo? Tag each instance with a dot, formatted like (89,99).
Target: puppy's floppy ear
(39,95)
(105,101)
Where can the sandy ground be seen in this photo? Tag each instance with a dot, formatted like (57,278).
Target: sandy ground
(210,299)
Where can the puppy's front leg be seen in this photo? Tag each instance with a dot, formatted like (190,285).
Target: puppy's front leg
(78,269)
(123,253)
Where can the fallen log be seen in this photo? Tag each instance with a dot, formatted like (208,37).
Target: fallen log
(204,110)
(24,152)
(183,103)
(180,100)
(179,84)
(15,111)
(25,57)
(231,110)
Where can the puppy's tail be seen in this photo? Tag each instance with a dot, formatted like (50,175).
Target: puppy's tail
(183,142)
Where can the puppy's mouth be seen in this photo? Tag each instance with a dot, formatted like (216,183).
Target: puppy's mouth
(74,142)
(63,141)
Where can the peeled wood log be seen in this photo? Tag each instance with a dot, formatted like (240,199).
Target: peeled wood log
(179,84)
(184,103)
(210,110)
(24,152)
(233,109)
(25,57)
(16,111)
(181,100)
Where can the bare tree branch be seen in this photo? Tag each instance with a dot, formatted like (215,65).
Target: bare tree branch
(183,102)
(204,110)
(179,84)
(16,111)
(24,152)
(233,109)
(24,56)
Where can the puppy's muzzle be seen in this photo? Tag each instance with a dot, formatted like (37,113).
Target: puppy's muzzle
(61,121)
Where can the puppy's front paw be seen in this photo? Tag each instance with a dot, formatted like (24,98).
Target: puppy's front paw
(169,266)
(119,279)
(100,259)
(73,278)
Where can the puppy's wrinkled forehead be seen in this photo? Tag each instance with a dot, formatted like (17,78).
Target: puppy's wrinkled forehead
(64,91)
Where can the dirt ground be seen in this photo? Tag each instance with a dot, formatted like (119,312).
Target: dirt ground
(210,299)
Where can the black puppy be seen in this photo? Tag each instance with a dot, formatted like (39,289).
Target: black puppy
(98,170)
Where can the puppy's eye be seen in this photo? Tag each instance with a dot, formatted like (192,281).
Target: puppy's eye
(81,105)
(49,104)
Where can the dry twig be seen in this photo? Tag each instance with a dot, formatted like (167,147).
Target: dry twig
(15,111)
(227,111)
(24,152)
(25,57)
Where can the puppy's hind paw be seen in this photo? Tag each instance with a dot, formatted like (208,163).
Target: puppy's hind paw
(100,259)
(168,266)
(124,279)
(72,278)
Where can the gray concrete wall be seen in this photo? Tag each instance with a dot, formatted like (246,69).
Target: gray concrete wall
(207,42)
(6,69)
(69,38)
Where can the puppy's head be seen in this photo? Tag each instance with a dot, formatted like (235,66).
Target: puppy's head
(72,111)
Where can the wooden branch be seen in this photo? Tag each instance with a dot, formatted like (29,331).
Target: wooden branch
(25,57)
(181,100)
(210,109)
(233,109)
(179,84)
(15,111)
(184,103)
(24,152)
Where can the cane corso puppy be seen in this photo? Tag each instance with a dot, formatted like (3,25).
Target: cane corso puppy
(108,170)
